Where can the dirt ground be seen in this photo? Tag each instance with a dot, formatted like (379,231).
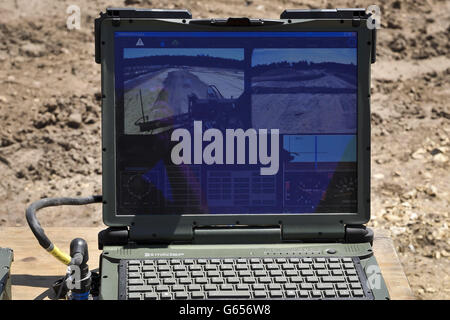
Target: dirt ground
(50,117)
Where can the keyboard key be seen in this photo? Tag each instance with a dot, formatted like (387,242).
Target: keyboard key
(344,293)
(316,294)
(153,281)
(169,281)
(150,296)
(242,286)
(148,268)
(213,274)
(290,286)
(290,273)
(258,294)
(166,296)
(226,267)
(258,286)
(274,286)
(233,280)
(323,286)
(341,286)
(264,280)
(177,288)
(358,293)
(197,295)
(248,280)
(195,267)
(134,275)
(134,296)
(231,295)
(165,274)
(202,261)
(181,295)
(229,274)
(163,268)
(197,274)
(210,267)
(210,287)
(226,287)
(276,294)
(306,286)
(162,288)
(276,273)
(185,281)
(333,279)
(135,281)
(201,280)
(140,288)
(257,267)
(245,273)
(217,280)
(194,287)
(175,262)
(303,294)
(330,293)
(355,285)
(290,294)
(280,279)
(312,279)
(179,268)
(181,274)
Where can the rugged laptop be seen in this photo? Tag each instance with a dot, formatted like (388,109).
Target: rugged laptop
(236,156)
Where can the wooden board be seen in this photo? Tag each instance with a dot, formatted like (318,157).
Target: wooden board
(34,270)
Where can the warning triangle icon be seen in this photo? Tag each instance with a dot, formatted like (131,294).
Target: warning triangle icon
(139,42)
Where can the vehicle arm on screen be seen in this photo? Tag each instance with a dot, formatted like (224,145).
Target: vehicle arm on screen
(215,110)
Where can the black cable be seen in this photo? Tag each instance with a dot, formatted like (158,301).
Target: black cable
(34,224)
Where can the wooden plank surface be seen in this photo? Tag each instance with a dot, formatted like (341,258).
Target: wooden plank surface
(34,270)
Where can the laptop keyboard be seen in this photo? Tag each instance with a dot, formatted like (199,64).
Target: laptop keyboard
(243,278)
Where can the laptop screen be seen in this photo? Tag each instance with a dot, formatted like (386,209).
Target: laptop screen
(236,122)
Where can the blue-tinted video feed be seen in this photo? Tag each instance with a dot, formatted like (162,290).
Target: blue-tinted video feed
(236,122)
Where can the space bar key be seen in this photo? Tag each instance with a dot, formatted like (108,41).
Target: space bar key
(224,294)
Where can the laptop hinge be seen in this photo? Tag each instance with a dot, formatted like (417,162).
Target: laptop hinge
(313,233)
(237,235)
(358,234)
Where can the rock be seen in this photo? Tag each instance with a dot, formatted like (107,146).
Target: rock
(399,44)
(440,158)
(75,120)
(33,50)
(378,176)
(418,154)
(3,99)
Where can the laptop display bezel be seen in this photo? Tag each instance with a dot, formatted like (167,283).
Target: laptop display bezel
(177,222)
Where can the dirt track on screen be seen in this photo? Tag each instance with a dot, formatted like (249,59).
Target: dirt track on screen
(50,117)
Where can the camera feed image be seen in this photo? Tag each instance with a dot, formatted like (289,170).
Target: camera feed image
(305,90)
(165,88)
